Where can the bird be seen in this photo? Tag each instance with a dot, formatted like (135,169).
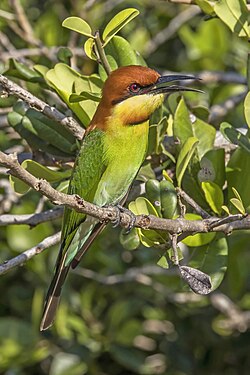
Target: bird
(112,151)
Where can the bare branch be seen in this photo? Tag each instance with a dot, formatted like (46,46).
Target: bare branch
(31,219)
(236,319)
(101,53)
(9,87)
(221,77)
(28,254)
(193,204)
(173,26)
(218,111)
(24,22)
(110,214)
(50,52)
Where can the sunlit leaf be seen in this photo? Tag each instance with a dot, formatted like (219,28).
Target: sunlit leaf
(213,195)
(205,6)
(118,22)
(226,209)
(238,204)
(247,109)
(235,15)
(89,48)
(184,158)
(198,239)
(79,25)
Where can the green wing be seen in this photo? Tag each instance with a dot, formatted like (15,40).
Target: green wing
(86,175)
(87,172)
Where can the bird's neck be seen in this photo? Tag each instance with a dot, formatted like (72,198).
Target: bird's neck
(131,112)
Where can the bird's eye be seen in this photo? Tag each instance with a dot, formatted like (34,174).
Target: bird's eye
(134,87)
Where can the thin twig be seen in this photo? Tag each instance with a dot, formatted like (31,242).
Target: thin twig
(31,219)
(28,254)
(193,204)
(208,77)
(101,53)
(219,111)
(24,22)
(7,15)
(173,26)
(9,87)
(236,319)
(50,52)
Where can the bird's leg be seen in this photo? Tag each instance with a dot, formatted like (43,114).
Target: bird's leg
(117,220)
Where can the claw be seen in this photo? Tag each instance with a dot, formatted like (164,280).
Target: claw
(117,220)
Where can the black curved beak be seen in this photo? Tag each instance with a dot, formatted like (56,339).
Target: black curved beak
(166,84)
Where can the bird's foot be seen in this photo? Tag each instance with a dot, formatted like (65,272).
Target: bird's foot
(117,220)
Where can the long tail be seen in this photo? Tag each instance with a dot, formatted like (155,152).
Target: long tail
(53,297)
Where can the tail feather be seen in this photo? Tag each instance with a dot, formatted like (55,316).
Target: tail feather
(97,229)
(53,297)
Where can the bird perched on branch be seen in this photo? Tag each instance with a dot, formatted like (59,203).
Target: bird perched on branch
(112,151)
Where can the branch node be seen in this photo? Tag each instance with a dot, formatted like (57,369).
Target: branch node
(144,221)
(79,200)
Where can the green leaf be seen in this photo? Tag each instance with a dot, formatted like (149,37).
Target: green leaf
(198,239)
(226,209)
(38,171)
(120,49)
(85,95)
(40,132)
(74,83)
(247,108)
(234,136)
(163,262)
(184,128)
(213,195)
(79,25)
(149,238)
(42,69)
(213,167)
(205,6)
(89,49)
(238,175)
(185,156)
(20,70)
(237,202)
(64,55)
(211,259)
(118,22)
(234,14)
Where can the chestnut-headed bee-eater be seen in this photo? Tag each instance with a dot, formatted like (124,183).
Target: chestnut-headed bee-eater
(112,151)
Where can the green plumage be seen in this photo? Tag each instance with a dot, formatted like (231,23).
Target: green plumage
(103,172)
(110,157)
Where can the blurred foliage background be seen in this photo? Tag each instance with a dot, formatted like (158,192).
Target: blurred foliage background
(120,313)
